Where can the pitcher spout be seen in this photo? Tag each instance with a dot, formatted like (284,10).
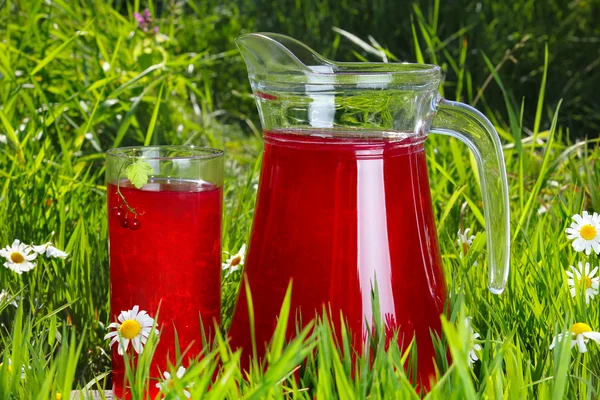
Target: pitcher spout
(268,54)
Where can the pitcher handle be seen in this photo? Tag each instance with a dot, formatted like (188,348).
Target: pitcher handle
(475,130)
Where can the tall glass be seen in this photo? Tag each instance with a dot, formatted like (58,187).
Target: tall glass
(164,219)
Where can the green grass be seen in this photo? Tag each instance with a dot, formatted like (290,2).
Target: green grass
(78,78)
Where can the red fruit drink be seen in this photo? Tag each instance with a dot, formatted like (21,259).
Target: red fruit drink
(332,213)
(169,256)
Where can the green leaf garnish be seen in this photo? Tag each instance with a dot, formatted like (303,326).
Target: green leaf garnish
(138,172)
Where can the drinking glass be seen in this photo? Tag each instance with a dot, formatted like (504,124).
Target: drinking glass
(164,229)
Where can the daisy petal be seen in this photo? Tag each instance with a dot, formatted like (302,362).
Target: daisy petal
(581,343)
(595,336)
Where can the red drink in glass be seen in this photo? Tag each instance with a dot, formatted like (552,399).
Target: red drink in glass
(169,259)
(331,214)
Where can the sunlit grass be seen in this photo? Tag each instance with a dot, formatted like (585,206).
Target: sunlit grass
(76,81)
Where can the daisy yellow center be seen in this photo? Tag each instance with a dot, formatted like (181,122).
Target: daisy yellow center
(588,282)
(588,232)
(130,328)
(17,257)
(580,328)
(236,260)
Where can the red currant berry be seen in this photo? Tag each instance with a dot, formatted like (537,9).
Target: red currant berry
(117,212)
(134,224)
(124,222)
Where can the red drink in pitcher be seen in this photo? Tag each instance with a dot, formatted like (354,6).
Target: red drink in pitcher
(332,214)
(166,260)
(344,197)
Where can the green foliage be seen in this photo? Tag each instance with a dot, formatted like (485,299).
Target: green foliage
(78,78)
(138,172)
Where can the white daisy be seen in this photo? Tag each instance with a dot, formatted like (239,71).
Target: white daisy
(50,251)
(585,279)
(10,368)
(167,383)
(473,346)
(585,232)
(5,296)
(134,326)
(235,261)
(580,334)
(18,257)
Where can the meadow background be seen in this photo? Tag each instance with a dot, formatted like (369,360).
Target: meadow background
(80,77)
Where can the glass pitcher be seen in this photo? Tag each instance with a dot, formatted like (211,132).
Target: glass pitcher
(344,201)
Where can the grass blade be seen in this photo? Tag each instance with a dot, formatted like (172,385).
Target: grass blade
(54,54)
(540,103)
(10,132)
(512,116)
(150,131)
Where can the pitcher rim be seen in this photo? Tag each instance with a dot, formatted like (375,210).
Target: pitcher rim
(418,67)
